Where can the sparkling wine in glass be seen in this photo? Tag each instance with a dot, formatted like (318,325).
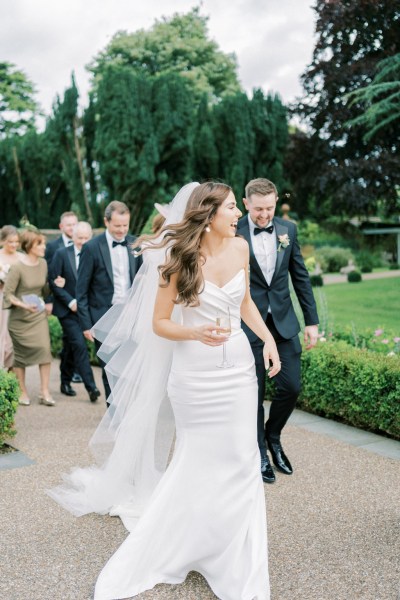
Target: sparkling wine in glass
(223,320)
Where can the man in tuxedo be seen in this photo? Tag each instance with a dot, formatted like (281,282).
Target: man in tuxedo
(68,220)
(65,265)
(106,271)
(274,254)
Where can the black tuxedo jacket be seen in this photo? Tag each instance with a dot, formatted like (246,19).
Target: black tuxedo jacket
(63,263)
(51,249)
(277,294)
(95,285)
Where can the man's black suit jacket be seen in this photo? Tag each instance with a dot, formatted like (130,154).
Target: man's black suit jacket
(277,294)
(63,263)
(95,284)
(51,249)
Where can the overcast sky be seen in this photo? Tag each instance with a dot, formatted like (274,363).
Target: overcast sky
(48,39)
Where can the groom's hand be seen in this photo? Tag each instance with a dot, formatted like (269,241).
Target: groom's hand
(310,336)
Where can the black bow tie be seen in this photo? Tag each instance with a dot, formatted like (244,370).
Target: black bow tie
(123,243)
(70,242)
(268,229)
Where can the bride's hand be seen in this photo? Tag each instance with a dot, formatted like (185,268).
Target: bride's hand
(208,334)
(270,353)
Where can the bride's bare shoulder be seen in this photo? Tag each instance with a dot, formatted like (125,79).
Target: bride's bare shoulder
(240,244)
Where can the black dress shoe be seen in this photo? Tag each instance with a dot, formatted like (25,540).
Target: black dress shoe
(67,389)
(76,378)
(267,473)
(94,394)
(279,458)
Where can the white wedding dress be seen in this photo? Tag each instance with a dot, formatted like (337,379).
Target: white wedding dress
(207,513)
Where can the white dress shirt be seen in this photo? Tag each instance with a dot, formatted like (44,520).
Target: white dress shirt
(265,250)
(120,267)
(77,254)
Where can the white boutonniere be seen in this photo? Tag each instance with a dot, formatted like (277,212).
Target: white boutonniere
(284,241)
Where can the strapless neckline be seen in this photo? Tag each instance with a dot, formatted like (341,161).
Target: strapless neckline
(225,284)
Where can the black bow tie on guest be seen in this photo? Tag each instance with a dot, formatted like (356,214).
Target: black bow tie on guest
(268,229)
(123,243)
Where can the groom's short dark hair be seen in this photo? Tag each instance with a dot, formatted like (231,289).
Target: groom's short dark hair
(261,187)
(115,206)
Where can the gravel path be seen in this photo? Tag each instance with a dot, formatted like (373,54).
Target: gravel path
(333,525)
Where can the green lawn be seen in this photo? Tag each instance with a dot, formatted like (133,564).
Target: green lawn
(369,304)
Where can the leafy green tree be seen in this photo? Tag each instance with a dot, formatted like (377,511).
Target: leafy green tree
(18,107)
(178,44)
(358,175)
(380,99)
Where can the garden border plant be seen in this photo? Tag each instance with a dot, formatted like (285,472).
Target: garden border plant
(355,386)
(9,395)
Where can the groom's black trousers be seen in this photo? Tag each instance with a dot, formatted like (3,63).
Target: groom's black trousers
(287,386)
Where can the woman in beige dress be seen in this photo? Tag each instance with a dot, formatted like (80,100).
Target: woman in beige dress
(9,242)
(28,325)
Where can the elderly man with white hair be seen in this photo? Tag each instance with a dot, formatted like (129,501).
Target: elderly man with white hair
(62,279)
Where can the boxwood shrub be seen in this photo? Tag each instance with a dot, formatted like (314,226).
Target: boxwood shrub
(9,395)
(56,341)
(355,386)
(354,277)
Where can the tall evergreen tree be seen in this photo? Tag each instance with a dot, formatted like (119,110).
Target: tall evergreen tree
(125,144)
(173,117)
(18,107)
(235,141)
(64,131)
(205,152)
(269,123)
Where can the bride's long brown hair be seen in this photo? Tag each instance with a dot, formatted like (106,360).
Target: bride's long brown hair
(183,240)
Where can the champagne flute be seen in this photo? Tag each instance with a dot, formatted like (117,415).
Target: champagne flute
(223,320)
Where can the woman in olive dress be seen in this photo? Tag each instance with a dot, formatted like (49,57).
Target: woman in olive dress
(28,325)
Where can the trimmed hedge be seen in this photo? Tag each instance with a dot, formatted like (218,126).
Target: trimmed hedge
(358,387)
(9,396)
(55,335)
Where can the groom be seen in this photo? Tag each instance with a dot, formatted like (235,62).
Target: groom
(274,254)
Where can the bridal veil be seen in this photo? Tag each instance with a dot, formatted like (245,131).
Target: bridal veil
(134,439)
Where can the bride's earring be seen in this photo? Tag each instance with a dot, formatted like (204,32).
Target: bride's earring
(207,228)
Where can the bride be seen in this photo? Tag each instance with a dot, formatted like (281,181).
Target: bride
(207,512)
